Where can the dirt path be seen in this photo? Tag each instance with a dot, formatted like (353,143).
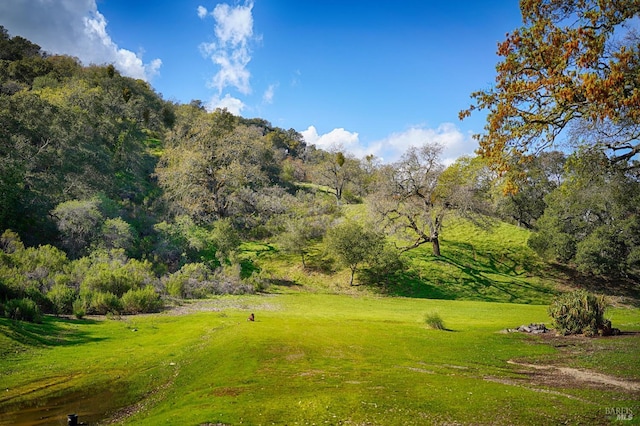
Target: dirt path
(581,376)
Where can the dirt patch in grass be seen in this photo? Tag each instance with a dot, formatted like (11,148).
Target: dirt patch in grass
(554,376)
(228,391)
(557,373)
(219,305)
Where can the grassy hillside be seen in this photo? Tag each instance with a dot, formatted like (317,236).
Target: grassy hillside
(314,359)
(477,263)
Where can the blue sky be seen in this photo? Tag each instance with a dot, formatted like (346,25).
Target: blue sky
(371,77)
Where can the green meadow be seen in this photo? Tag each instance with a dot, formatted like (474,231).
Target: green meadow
(312,359)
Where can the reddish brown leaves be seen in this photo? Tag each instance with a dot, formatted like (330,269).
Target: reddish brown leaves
(567,62)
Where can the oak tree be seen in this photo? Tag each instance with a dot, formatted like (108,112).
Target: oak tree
(572,63)
(340,172)
(353,244)
(209,160)
(535,179)
(406,200)
(592,220)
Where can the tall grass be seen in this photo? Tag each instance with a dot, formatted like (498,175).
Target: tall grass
(579,312)
(434,321)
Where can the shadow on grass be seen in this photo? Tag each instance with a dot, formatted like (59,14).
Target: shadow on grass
(513,289)
(465,273)
(626,287)
(505,262)
(410,284)
(51,332)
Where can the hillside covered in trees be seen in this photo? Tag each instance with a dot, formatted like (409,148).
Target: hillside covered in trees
(112,198)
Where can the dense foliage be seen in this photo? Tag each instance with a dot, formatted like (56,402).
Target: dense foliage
(573,64)
(113,199)
(592,218)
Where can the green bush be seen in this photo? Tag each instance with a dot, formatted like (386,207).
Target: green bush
(22,310)
(140,301)
(33,293)
(383,267)
(103,303)
(192,281)
(112,274)
(107,279)
(79,308)
(61,298)
(578,312)
(603,252)
(434,321)
(197,281)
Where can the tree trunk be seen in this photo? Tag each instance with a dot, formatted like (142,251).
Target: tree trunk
(435,237)
(353,271)
(436,246)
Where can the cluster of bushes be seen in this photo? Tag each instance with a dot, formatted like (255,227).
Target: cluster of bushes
(197,280)
(21,310)
(42,280)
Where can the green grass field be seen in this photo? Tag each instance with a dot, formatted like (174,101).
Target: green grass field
(312,359)
(322,352)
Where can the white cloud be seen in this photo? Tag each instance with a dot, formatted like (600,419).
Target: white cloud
(230,51)
(76,28)
(202,12)
(454,143)
(233,105)
(268,95)
(335,138)
(234,25)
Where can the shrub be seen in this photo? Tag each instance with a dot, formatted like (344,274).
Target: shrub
(22,310)
(117,275)
(434,321)
(143,300)
(192,281)
(578,312)
(38,297)
(79,308)
(227,280)
(107,278)
(103,303)
(61,298)
(257,281)
(384,265)
(197,280)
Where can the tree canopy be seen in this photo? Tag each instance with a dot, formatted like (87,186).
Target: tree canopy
(573,65)
(407,201)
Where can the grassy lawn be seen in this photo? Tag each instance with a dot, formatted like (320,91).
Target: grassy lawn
(313,359)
